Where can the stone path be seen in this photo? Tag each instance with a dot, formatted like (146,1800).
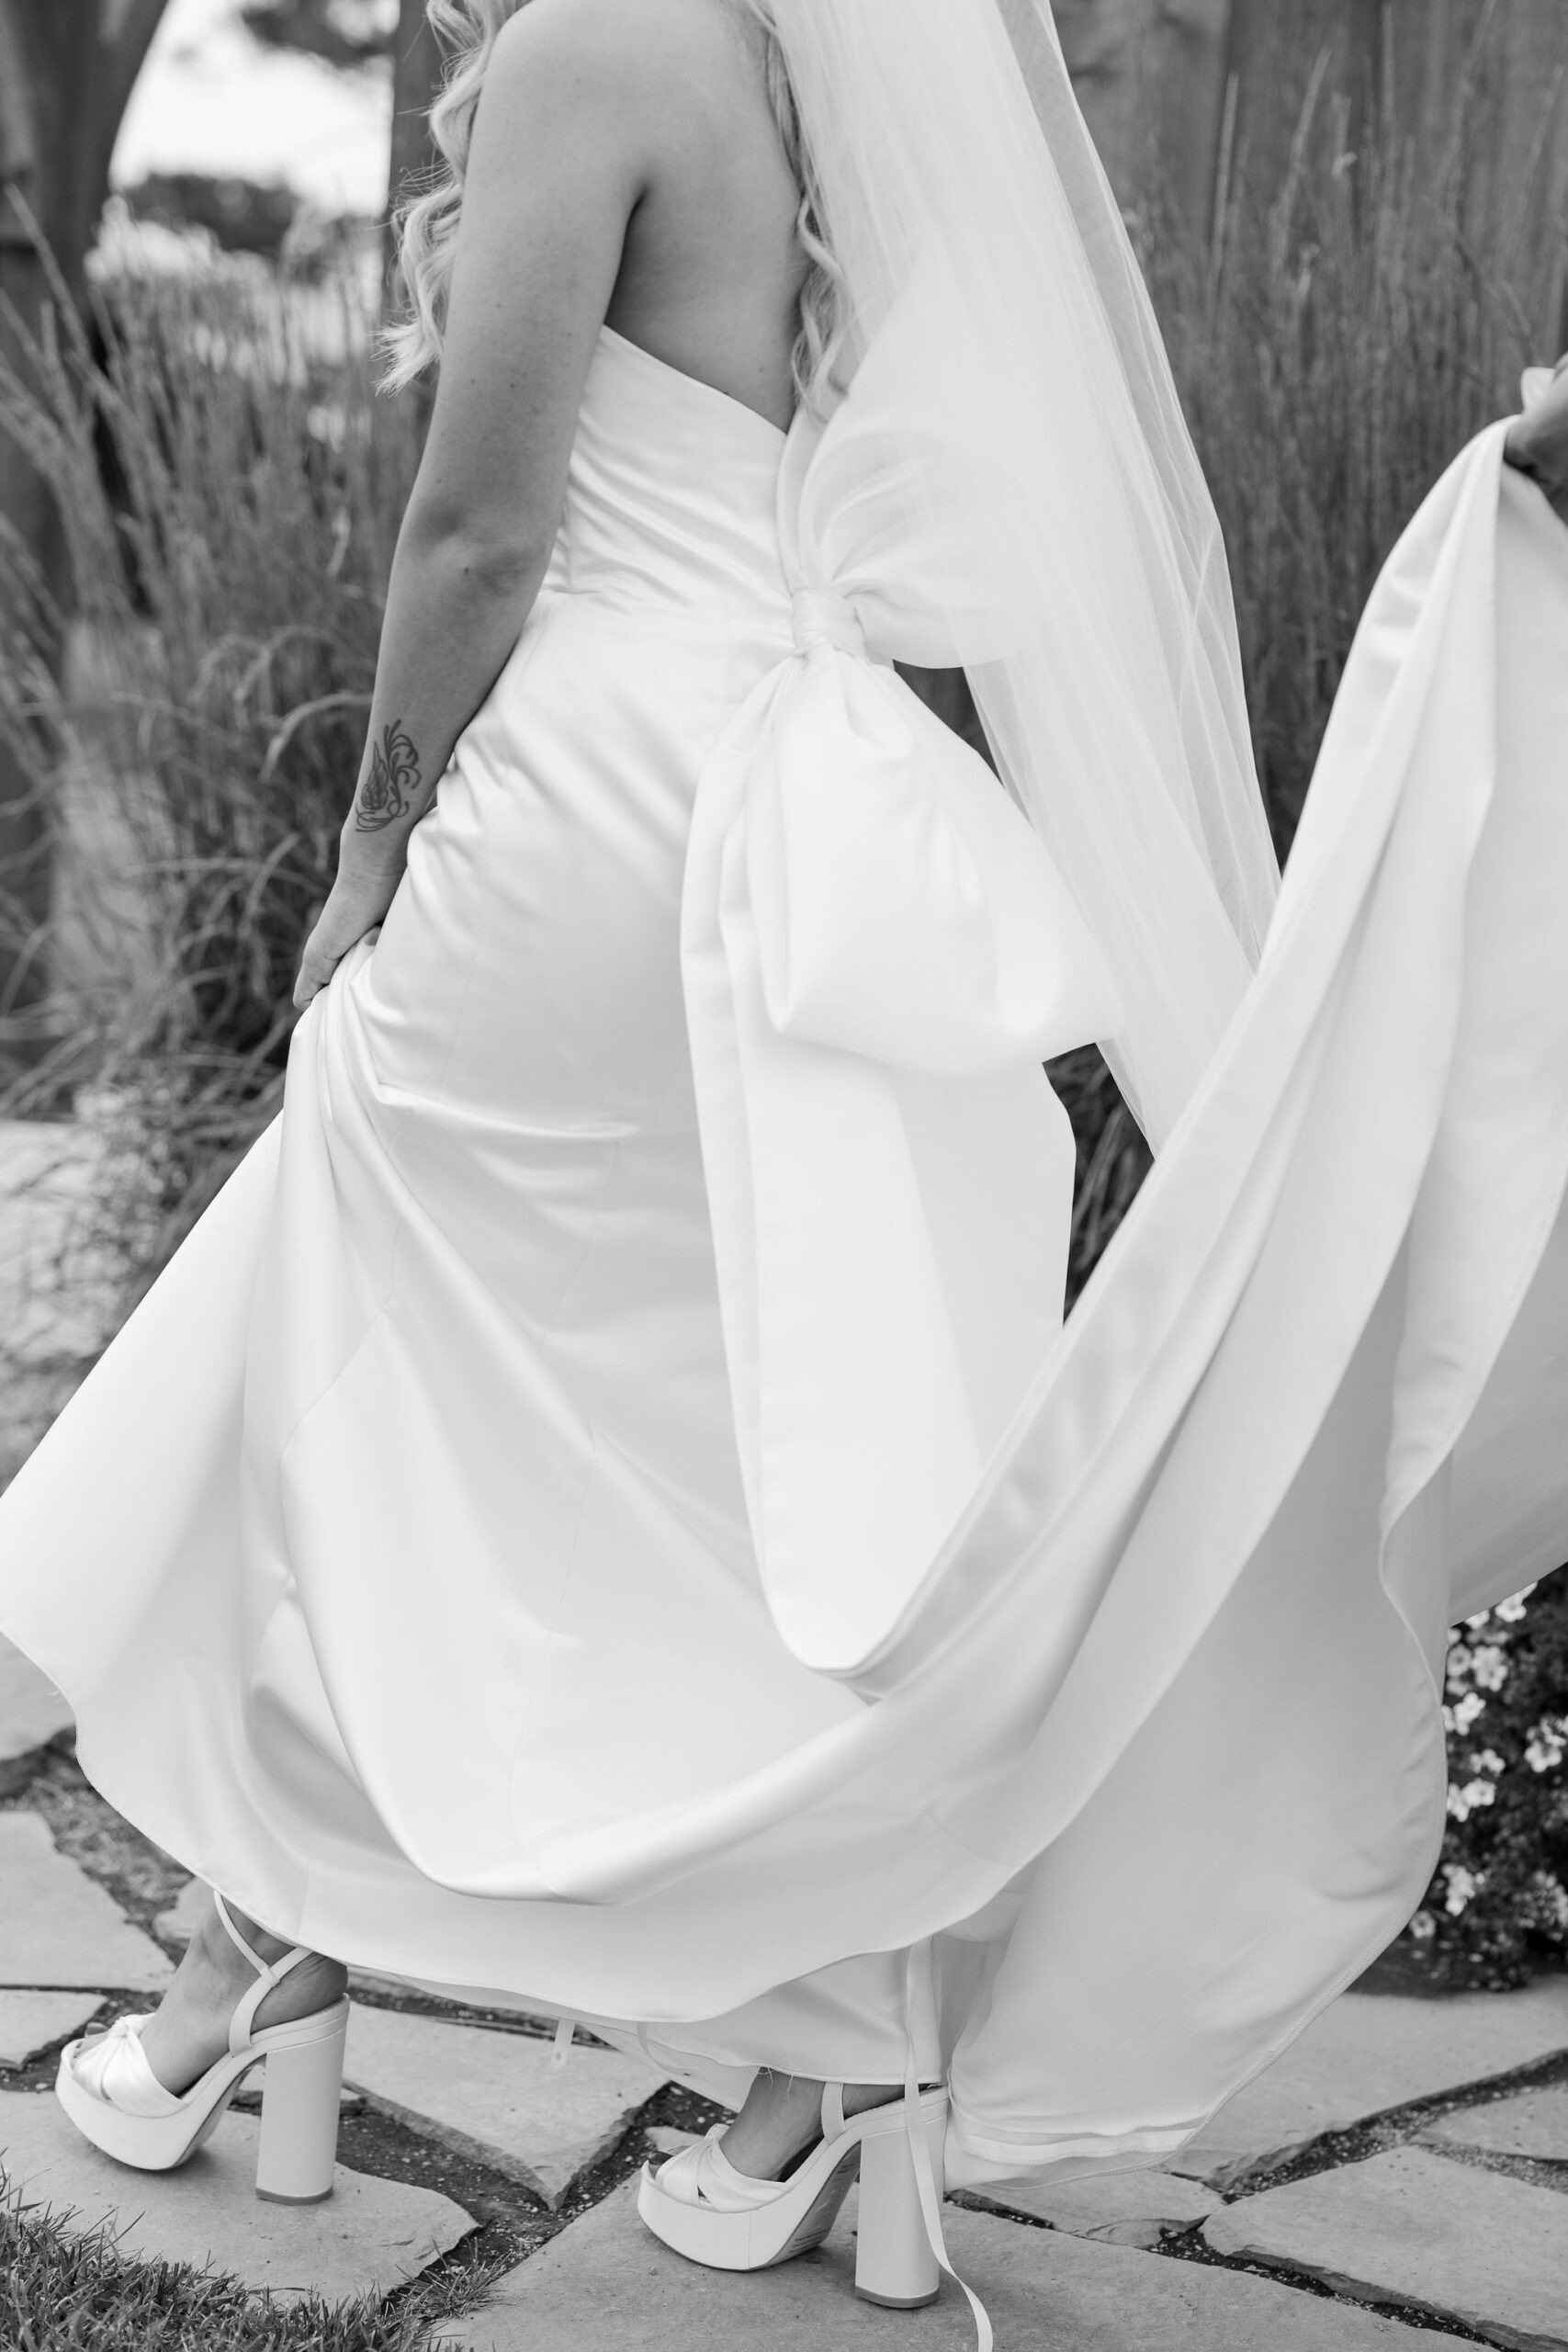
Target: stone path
(31,2023)
(498,2098)
(1533,2124)
(1369,2052)
(605,2286)
(1138,2209)
(57,1927)
(1410,2228)
(32,1712)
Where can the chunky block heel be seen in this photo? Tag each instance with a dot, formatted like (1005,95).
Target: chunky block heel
(895,2262)
(112,2095)
(699,2205)
(301,2103)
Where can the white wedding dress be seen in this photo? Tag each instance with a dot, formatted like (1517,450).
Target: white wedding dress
(603,1511)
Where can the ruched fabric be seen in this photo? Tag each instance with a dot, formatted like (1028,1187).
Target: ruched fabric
(603,1511)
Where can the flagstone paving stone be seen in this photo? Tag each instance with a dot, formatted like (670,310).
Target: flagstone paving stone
(1410,2227)
(57,1927)
(30,2022)
(368,2236)
(32,1712)
(496,2096)
(1122,2207)
(1369,2052)
(1535,2123)
(605,2284)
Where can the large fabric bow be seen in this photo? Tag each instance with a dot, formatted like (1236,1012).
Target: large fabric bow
(878,953)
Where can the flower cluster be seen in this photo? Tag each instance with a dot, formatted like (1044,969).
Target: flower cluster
(1498,1904)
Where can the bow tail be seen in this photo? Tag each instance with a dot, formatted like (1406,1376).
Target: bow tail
(890,1253)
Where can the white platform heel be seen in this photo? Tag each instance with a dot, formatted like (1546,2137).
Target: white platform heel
(112,2095)
(895,2263)
(699,2205)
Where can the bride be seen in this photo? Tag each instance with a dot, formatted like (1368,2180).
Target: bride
(603,1513)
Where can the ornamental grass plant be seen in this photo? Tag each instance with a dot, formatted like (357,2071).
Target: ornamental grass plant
(1336,343)
(230,490)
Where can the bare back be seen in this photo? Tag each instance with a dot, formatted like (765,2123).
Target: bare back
(712,266)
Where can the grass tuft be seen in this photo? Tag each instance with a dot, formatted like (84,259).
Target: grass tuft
(67,2290)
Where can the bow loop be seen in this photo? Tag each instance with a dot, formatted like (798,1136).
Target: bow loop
(905,908)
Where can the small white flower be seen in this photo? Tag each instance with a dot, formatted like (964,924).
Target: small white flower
(1423,1926)
(1489,1666)
(1485,1760)
(1551,1901)
(1510,1611)
(1462,1887)
(1464,1802)
(1483,1617)
(1547,1744)
(1459,1662)
(1463,1713)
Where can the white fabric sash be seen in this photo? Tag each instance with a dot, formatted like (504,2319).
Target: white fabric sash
(878,953)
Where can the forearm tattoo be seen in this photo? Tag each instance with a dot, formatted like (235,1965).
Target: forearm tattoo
(394,784)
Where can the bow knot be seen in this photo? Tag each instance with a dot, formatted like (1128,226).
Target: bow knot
(821,617)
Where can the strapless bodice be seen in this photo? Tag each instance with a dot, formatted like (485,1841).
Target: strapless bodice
(672,496)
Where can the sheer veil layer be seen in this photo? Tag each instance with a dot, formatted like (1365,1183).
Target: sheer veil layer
(1070,555)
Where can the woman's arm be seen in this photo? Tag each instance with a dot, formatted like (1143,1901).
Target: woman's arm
(559,162)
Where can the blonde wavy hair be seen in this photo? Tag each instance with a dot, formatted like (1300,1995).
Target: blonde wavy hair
(428,224)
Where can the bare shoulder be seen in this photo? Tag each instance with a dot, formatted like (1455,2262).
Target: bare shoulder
(656,66)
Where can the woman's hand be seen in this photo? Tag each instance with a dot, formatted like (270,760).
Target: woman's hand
(355,904)
(1537,441)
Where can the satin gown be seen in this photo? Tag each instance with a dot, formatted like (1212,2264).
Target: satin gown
(603,1513)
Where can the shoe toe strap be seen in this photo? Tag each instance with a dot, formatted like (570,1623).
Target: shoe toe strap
(703,2174)
(113,2066)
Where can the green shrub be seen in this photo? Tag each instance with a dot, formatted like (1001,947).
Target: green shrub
(1498,1904)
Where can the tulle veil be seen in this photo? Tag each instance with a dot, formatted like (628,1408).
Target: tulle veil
(1075,553)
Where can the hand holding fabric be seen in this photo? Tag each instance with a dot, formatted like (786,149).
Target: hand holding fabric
(1538,440)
